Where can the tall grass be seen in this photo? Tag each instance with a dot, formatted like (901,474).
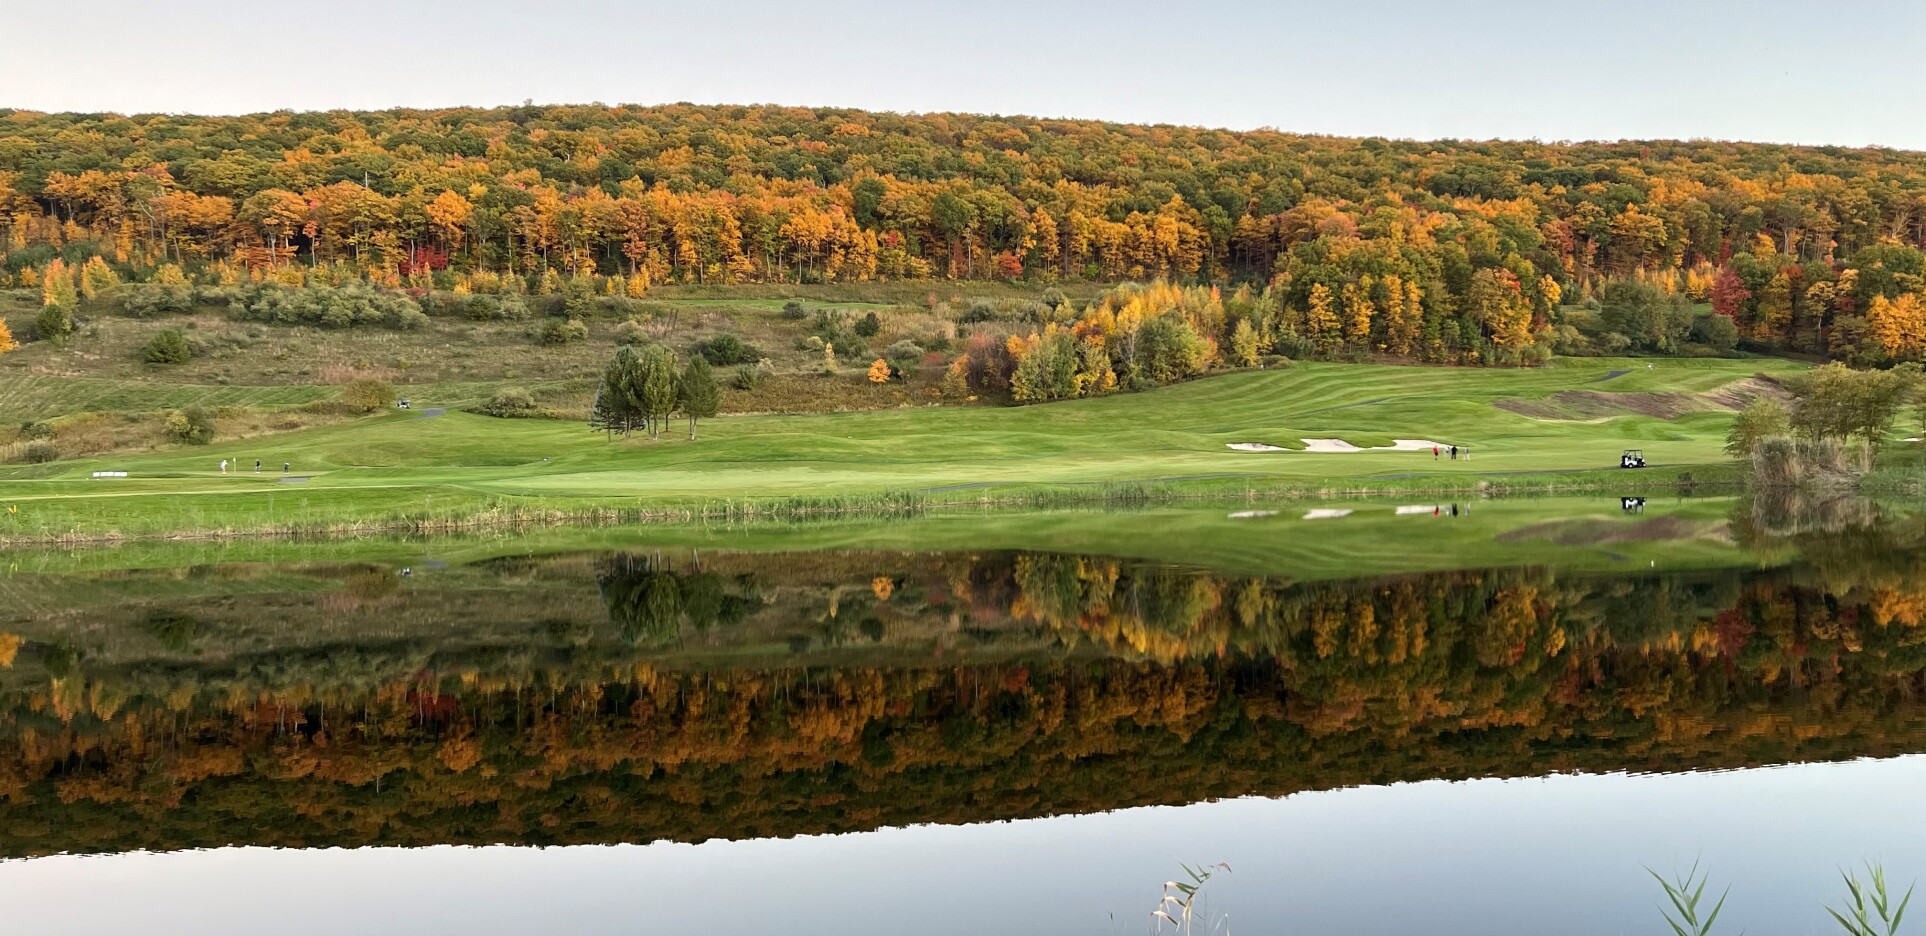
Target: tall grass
(1180,909)
(1685,894)
(1869,910)
(1813,464)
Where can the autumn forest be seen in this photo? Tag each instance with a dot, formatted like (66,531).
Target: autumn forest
(1448,250)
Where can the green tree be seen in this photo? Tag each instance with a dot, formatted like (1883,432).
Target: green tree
(1244,344)
(1763,418)
(55,324)
(653,386)
(699,397)
(168,346)
(1837,402)
(618,407)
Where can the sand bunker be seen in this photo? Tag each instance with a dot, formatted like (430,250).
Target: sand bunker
(1252,514)
(1340,447)
(1328,513)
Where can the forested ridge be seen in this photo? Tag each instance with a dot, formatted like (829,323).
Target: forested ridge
(1447,249)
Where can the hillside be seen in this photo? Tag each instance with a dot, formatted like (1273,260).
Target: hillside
(1795,244)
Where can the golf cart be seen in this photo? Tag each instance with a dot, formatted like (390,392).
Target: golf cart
(1633,458)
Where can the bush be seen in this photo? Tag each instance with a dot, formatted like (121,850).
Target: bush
(631,332)
(562,331)
(168,346)
(510,403)
(724,350)
(151,299)
(356,305)
(366,394)
(747,378)
(40,453)
(904,356)
(494,308)
(793,311)
(193,425)
(868,325)
(37,430)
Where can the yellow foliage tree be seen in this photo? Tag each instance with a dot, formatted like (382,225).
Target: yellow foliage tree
(879,371)
(1899,325)
(1321,319)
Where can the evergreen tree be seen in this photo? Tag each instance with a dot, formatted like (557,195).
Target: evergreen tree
(699,396)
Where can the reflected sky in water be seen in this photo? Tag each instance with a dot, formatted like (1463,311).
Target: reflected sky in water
(1550,855)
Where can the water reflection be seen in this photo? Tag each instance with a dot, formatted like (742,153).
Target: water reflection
(638,696)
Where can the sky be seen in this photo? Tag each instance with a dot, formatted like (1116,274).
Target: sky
(1839,72)
(1525,857)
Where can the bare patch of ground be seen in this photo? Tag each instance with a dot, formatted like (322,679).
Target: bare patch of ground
(1598,531)
(1586,405)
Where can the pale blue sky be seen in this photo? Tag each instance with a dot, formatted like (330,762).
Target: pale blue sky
(1838,71)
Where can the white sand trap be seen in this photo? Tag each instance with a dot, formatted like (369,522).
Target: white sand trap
(1327,513)
(1252,514)
(1419,509)
(1256,447)
(1341,447)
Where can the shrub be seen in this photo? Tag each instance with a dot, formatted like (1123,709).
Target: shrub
(746,378)
(868,325)
(366,394)
(168,346)
(37,430)
(193,425)
(355,305)
(562,331)
(903,356)
(510,403)
(793,311)
(40,453)
(724,350)
(151,299)
(631,332)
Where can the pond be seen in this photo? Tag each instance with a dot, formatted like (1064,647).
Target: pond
(1468,717)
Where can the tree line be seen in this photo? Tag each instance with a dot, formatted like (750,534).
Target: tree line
(1808,248)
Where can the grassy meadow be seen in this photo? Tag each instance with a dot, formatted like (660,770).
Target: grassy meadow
(1563,424)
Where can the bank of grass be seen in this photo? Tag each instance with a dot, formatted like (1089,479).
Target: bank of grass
(400,471)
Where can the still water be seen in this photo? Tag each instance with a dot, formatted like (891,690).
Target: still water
(1487,719)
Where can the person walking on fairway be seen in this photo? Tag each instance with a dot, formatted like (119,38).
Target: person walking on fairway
(284,467)
(1434,453)
(257,466)
(223,466)
(1454,453)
